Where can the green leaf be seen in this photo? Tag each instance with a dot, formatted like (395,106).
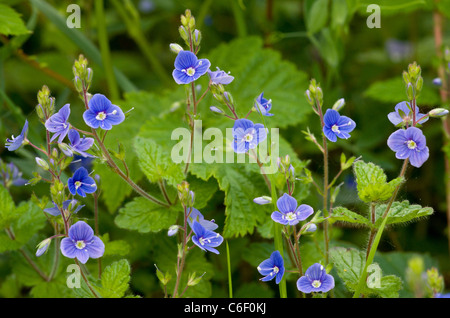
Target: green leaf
(156,164)
(401,212)
(316,15)
(350,262)
(145,216)
(372,182)
(7,208)
(10,22)
(393,91)
(115,279)
(345,215)
(280,80)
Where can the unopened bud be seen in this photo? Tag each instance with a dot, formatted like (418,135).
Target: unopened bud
(43,246)
(42,163)
(339,104)
(263,200)
(175,48)
(438,112)
(216,110)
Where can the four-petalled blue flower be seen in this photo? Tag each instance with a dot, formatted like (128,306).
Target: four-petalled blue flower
(220,77)
(81,243)
(263,105)
(336,125)
(16,142)
(315,279)
(289,213)
(78,145)
(272,267)
(409,143)
(205,239)
(81,183)
(189,68)
(403,115)
(102,113)
(58,123)
(247,135)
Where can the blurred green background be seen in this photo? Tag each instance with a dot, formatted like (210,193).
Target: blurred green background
(328,40)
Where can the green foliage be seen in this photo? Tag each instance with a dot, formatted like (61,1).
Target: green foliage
(11,22)
(402,212)
(372,182)
(349,264)
(115,279)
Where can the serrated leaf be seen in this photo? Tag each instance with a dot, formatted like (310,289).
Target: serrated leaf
(145,216)
(10,22)
(115,279)
(350,262)
(156,164)
(401,212)
(345,215)
(372,182)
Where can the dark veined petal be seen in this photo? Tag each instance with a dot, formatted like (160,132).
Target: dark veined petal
(397,140)
(418,157)
(96,248)
(68,248)
(181,77)
(279,217)
(304,211)
(82,255)
(331,136)
(90,120)
(115,115)
(286,204)
(81,231)
(331,117)
(185,59)
(201,68)
(99,103)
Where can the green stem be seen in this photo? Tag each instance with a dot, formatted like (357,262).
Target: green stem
(104,49)
(230,283)
(376,241)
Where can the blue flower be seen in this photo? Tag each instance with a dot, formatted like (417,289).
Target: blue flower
(81,243)
(11,175)
(247,135)
(189,68)
(68,205)
(220,77)
(315,279)
(289,213)
(78,145)
(336,125)
(272,267)
(80,183)
(401,115)
(195,215)
(409,143)
(102,113)
(263,105)
(15,142)
(58,124)
(205,239)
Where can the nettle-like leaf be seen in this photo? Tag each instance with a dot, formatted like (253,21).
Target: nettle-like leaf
(372,182)
(145,216)
(350,262)
(345,215)
(115,279)
(156,164)
(401,212)
(10,21)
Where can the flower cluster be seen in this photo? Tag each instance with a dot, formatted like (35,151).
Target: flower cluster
(100,113)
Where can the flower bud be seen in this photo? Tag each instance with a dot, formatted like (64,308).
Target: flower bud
(197,37)
(339,104)
(216,110)
(435,281)
(173,230)
(66,149)
(43,246)
(192,280)
(175,48)
(263,200)
(410,91)
(42,163)
(438,112)
(437,81)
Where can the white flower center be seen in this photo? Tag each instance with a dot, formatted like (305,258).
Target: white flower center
(248,137)
(276,269)
(203,241)
(78,184)
(411,144)
(316,283)
(100,116)
(190,71)
(80,245)
(335,128)
(290,216)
